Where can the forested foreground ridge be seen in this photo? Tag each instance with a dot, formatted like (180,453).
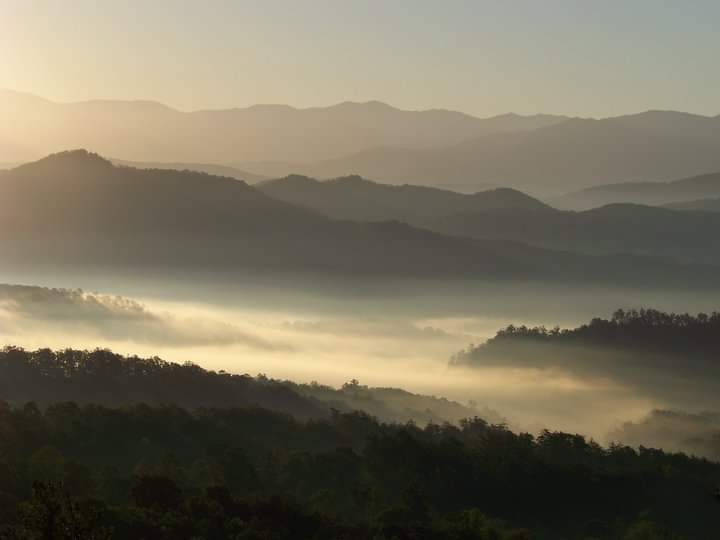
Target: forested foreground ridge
(163,472)
(103,377)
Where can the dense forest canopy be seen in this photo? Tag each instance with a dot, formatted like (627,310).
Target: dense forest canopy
(669,359)
(644,329)
(103,377)
(165,472)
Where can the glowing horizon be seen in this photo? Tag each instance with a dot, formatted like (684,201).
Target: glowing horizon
(481,58)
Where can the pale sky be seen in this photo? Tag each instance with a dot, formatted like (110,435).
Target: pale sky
(579,57)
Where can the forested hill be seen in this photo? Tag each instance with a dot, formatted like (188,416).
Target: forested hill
(103,377)
(636,329)
(142,472)
(655,354)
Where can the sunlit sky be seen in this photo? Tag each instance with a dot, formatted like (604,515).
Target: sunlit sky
(586,58)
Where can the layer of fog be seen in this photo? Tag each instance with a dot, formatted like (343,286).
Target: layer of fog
(399,335)
(693,433)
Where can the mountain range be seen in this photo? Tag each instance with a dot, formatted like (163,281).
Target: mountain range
(507,214)
(543,154)
(76,209)
(561,157)
(151,132)
(356,198)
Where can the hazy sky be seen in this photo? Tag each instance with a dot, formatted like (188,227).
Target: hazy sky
(588,58)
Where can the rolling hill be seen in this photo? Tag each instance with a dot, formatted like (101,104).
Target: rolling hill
(611,229)
(703,205)
(356,198)
(652,351)
(507,214)
(78,210)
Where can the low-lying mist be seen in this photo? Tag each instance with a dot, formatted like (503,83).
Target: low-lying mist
(381,334)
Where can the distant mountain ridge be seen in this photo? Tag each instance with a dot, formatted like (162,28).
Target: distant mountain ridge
(541,154)
(561,157)
(648,193)
(151,132)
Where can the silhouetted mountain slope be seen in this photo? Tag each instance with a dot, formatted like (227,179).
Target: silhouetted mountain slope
(208,168)
(650,193)
(103,377)
(77,209)
(703,205)
(147,131)
(355,198)
(562,156)
(508,214)
(616,228)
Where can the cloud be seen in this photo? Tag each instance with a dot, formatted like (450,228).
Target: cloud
(376,327)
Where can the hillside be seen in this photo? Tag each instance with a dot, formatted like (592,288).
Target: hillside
(615,228)
(97,215)
(648,193)
(702,205)
(356,198)
(507,214)
(105,378)
(669,356)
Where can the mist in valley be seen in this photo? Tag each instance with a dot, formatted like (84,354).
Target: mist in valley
(382,334)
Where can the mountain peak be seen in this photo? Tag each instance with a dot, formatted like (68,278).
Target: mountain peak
(79,158)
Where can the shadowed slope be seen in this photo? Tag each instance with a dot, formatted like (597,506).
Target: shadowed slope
(353,197)
(651,193)
(77,209)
